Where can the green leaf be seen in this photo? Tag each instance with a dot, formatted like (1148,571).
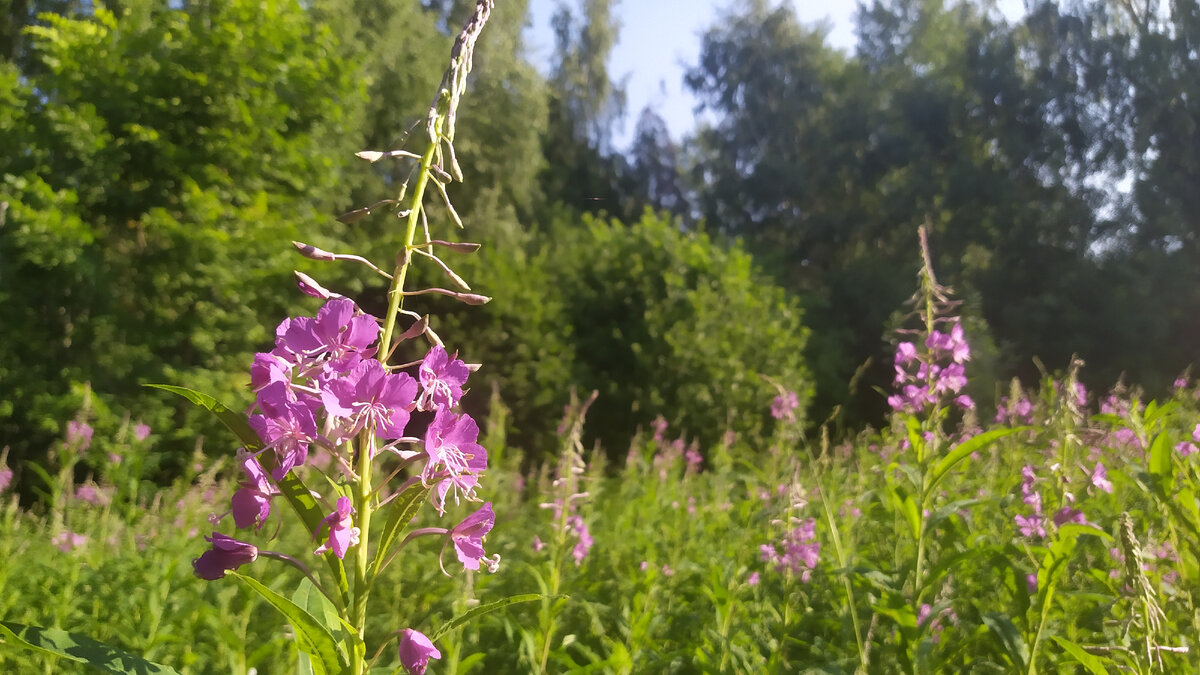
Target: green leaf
(487,609)
(312,637)
(1093,663)
(401,512)
(1014,645)
(964,450)
(234,421)
(311,600)
(903,500)
(946,510)
(77,648)
(1161,466)
(912,426)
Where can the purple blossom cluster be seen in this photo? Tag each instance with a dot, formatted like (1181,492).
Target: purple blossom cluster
(1020,412)
(783,407)
(321,387)
(798,553)
(79,435)
(1186,448)
(1032,526)
(926,616)
(925,377)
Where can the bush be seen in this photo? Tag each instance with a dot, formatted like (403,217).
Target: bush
(657,320)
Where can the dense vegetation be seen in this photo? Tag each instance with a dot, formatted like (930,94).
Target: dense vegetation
(789,462)
(167,150)
(1069,536)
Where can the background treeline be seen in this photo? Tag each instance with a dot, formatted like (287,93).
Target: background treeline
(156,157)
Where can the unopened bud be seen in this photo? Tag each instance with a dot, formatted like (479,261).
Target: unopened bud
(456,246)
(418,328)
(310,287)
(312,252)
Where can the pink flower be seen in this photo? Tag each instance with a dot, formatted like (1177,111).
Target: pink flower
(336,335)
(1031,583)
(468,535)
(92,495)
(286,426)
(342,533)
(141,431)
(753,579)
(1185,448)
(367,396)
(1031,526)
(660,427)
(68,541)
(79,435)
(783,407)
(584,543)
(416,650)
(226,554)
(538,544)
(1100,478)
(6,475)
(442,379)
(1069,515)
(454,454)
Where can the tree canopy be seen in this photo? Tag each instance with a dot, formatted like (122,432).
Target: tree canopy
(163,154)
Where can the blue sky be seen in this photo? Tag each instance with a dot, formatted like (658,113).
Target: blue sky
(660,38)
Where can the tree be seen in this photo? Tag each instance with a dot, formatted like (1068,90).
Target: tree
(167,156)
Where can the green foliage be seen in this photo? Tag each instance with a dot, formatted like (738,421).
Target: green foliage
(666,587)
(657,320)
(166,156)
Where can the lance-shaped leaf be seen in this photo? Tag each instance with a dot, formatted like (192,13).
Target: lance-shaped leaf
(312,636)
(487,609)
(234,421)
(401,511)
(78,648)
(315,603)
(964,450)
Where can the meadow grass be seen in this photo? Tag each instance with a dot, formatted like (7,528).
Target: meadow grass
(676,578)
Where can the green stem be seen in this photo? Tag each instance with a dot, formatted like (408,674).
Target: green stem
(395,292)
(362,579)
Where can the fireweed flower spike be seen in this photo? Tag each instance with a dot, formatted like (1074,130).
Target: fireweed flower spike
(416,650)
(342,533)
(227,554)
(327,381)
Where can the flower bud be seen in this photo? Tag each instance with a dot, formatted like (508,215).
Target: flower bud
(227,554)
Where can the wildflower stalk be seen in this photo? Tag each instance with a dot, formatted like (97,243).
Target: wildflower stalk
(440,117)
